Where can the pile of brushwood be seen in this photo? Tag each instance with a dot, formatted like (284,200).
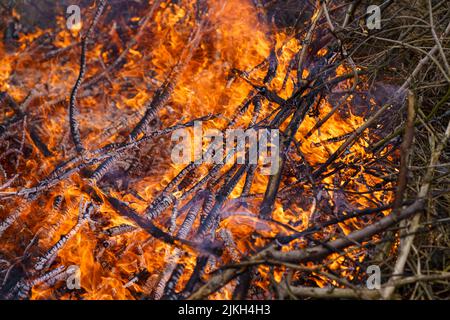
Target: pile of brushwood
(406,62)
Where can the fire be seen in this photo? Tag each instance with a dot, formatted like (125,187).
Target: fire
(213,74)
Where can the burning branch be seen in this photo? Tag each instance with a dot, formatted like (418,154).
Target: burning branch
(73,109)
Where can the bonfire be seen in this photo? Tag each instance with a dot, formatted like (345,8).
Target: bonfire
(342,191)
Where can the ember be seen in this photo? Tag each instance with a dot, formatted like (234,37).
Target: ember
(95,202)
